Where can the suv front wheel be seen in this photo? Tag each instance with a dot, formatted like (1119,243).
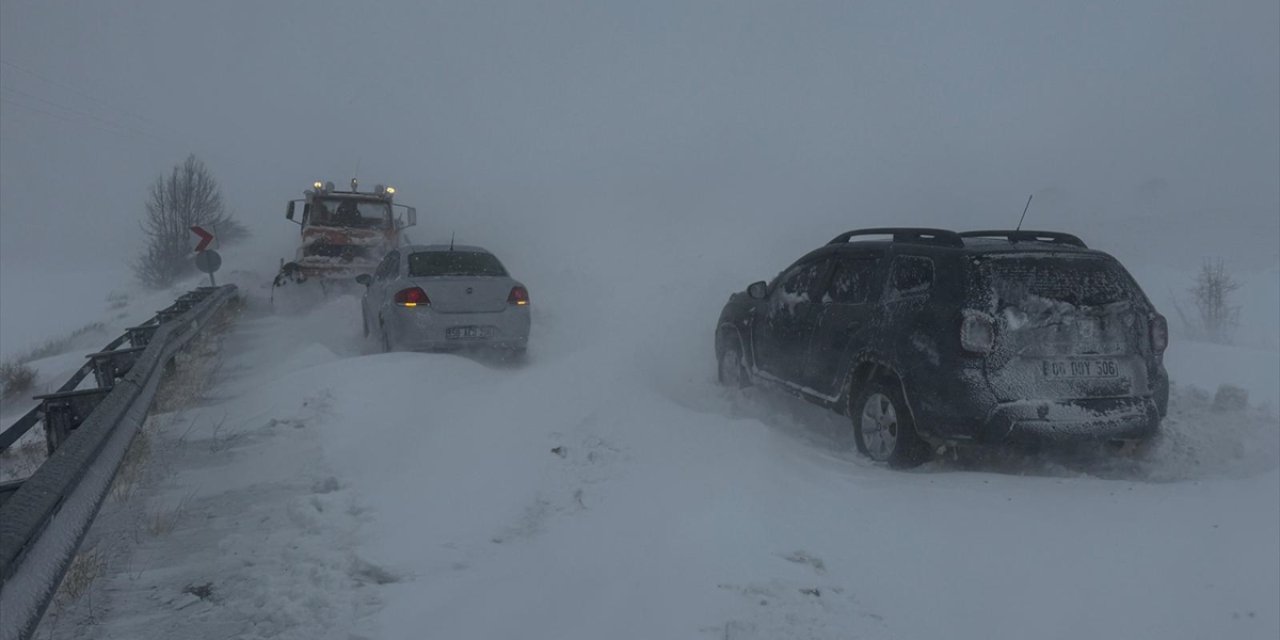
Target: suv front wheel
(729,368)
(882,426)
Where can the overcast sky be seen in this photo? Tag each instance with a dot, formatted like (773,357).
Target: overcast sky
(1144,126)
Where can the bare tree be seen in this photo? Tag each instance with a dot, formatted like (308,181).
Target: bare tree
(1212,294)
(188,196)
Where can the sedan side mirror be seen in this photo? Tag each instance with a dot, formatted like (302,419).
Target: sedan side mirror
(758,290)
(364,279)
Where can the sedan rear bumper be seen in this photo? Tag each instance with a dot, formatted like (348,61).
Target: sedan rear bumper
(424,329)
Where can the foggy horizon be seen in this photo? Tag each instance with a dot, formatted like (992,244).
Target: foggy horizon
(1126,122)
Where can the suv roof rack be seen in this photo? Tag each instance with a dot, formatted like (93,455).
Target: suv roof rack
(915,235)
(1054,237)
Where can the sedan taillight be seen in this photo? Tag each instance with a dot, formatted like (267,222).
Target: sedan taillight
(977,332)
(1159,333)
(518,296)
(412,297)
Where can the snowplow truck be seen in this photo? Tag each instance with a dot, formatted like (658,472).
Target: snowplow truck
(344,233)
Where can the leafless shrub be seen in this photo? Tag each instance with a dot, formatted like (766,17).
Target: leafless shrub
(117,300)
(164,521)
(22,459)
(51,347)
(132,467)
(219,442)
(1215,318)
(188,196)
(16,380)
(87,567)
(193,370)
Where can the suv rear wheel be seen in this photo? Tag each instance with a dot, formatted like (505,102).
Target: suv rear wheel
(882,426)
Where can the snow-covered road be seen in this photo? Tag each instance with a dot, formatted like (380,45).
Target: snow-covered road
(610,489)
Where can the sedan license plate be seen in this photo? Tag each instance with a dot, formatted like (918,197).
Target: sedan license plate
(468,333)
(1080,368)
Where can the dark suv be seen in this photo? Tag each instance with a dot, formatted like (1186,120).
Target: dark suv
(930,338)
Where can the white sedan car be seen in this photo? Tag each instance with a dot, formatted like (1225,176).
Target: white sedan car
(444,297)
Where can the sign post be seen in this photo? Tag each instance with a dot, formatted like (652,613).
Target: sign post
(207,260)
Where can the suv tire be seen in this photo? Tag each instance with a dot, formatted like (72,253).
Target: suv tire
(882,426)
(729,369)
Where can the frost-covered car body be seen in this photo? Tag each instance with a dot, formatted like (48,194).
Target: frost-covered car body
(985,337)
(444,297)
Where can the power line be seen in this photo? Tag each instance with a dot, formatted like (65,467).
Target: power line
(72,110)
(168,136)
(68,119)
(78,91)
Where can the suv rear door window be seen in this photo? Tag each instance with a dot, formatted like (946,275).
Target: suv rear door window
(454,263)
(912,275)
(804,282)
(851,281)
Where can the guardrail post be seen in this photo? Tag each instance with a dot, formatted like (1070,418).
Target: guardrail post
(140,336)
(109,365)
(165,315)
(66,410)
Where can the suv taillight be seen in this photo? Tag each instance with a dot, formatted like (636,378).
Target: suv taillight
(412,297)
(977,332)
(1159,333)
(518,296)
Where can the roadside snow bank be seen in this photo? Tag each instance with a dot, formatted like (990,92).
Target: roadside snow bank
(1206,365)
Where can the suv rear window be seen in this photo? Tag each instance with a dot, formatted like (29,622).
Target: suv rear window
(1088,281)
(454,263)
(911,275)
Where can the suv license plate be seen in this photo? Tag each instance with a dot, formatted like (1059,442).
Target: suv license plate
(468,333)
(1080,368)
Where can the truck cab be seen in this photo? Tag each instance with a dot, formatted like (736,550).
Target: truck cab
(344,233)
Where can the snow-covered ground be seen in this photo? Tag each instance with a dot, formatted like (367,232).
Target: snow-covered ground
(633,163)
(608,488)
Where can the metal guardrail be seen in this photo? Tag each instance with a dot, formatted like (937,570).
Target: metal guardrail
(45,517)
(24,424)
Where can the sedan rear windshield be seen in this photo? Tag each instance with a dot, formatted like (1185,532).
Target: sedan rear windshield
(454,263)
(1084,281)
